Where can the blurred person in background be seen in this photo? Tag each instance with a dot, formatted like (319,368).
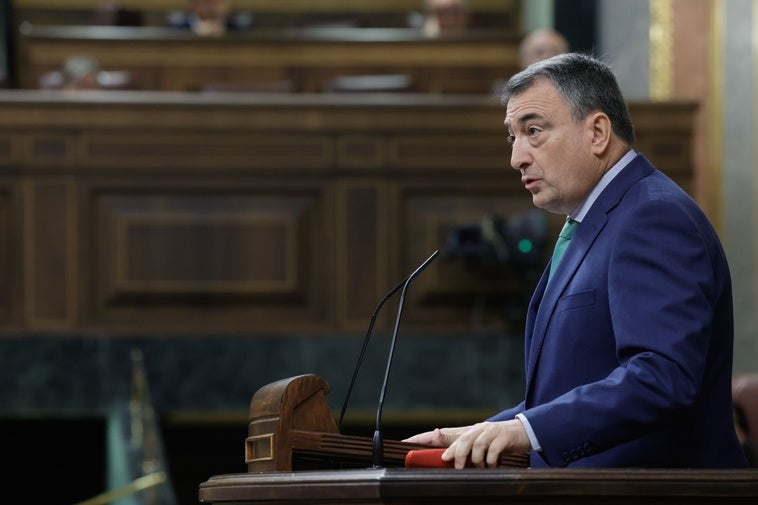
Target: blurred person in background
(445,17)
(210,17)
(80,72)
(541,44)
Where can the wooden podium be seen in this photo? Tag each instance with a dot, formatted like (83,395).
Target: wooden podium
(296,456)
(292,428)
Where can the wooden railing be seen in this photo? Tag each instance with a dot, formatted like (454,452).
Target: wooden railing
(176,60)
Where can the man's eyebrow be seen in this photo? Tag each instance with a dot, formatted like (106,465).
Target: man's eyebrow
(523,119)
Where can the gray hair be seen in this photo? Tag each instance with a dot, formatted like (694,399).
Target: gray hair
(587,85)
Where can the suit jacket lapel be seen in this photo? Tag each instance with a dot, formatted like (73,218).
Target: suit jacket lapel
(546,295)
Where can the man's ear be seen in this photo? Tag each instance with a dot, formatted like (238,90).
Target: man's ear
(601,130)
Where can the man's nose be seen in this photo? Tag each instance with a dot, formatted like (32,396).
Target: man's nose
(520,156)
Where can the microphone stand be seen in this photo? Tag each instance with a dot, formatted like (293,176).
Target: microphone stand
(378,445)
(363,349)
(368,337)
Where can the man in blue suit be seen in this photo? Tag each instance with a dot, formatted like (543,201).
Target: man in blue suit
(629,340)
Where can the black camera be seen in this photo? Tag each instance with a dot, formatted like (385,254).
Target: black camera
(519,241)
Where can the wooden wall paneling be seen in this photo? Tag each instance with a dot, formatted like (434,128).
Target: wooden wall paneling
(454,294)
(194,78)
(289,214)
(11,149)
(226,151)
(362,253)
(672,155)
(361,153)
(11,246)
(664,133)
(46,149)
(483,152)
(50,253)
(14,152)
(226,255)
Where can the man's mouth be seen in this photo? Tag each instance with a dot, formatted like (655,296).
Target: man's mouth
(529,182)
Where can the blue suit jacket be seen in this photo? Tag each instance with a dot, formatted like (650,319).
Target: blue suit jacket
(629,347)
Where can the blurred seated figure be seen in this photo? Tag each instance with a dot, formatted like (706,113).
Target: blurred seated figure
(537,45)
(445,17)
(209,17)
(82,73)
(541,44)
(111,13)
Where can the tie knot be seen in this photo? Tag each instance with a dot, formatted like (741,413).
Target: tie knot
(569,227)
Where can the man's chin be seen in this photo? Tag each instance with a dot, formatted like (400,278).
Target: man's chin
(546,204)
(539,201)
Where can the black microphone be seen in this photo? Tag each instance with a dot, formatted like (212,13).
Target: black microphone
(363,350)
(378,444)
(368,336)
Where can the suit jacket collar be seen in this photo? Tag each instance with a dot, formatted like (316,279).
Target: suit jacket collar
(547,295)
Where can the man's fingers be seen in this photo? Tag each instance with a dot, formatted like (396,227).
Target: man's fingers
(461,451)
(485,450)
(446,438)
(496,447)
(482,443)
(426,438)
(437,437)
(461,448)
(457,452)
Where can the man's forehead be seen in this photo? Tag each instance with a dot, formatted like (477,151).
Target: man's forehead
(538,100)
(523,118)
(527,110)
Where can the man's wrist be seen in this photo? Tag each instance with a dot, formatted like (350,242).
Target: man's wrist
(535,444)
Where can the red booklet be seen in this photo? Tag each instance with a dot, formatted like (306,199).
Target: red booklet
(429,458)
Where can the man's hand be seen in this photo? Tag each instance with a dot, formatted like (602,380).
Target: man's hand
(439,437)
(485,442)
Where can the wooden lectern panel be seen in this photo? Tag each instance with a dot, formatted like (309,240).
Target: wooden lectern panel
(292,428)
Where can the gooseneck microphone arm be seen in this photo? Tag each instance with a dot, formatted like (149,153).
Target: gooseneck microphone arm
(368,336)
(363,349)
(378,445)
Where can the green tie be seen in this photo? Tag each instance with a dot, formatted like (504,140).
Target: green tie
(564,237)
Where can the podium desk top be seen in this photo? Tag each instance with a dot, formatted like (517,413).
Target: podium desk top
(485,486)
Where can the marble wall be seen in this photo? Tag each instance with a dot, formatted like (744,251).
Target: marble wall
(44,374)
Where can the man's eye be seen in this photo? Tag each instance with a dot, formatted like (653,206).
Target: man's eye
(533,131)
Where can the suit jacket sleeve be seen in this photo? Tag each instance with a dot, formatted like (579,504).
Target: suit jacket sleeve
(508,414)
